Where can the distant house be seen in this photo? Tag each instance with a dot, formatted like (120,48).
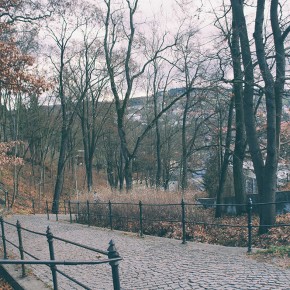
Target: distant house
(250,179)
(80,159)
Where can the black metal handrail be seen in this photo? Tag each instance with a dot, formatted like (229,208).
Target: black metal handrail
(113,257)
(65,263)
(85,211)
(82,246)
(105,214)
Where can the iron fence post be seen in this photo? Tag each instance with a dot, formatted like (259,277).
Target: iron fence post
(49,236)
(250,224)
(141,218)
(47,210)
(78,211)
(183,221)
(3,238)
(110,215)
(88,212)
(21,250)
(112,253)
(64,207)
(56,213)
(69,208)
(7,199)
(33,206)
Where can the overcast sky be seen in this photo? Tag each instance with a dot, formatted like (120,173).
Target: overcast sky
(171,13)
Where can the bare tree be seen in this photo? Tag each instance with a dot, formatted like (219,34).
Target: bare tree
(122,67)
(71,18)
(265,168)
(190,67)
(89,81)
(230,33)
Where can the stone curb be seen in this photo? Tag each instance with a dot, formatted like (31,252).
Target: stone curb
(12,274)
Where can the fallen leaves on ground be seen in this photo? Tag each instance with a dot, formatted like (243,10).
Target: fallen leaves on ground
(4,285)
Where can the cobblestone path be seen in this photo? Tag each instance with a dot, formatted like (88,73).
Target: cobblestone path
(148,263)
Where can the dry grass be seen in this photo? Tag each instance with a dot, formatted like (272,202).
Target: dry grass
(146,195)
(279,256)
(162,217)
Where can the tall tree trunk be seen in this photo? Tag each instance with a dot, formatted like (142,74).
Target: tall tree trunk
(126,156)
(250,125)
(89,173)
(158,157)
(60,170)
(113,182)
(166,161)
(128,174)
(88,152)
(267,212)
(240,140)
(280,58)
(265,171)
(121,172)
(184,146)
(158,140)
(225,162)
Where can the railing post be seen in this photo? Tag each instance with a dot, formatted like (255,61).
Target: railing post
(250,224)
(112,253)
(21,250)
(56,213)
(69,208)
(3,238)
(7,199)
(141,218)
(49,236)
(78,211)
(33,206)
(47,213)
(88,212)
(64,207)
(110,215)
(183,221)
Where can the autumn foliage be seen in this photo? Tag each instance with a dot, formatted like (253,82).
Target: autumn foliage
(16,68)
(5,157)
(15,65)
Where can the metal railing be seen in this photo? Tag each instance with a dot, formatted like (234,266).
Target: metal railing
(112,256)
(137,217)
(104,214)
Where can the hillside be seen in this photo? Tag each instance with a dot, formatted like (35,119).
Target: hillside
(30,189)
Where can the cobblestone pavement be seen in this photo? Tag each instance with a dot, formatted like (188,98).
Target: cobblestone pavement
(148,263)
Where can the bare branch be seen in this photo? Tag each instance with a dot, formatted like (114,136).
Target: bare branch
(285,33)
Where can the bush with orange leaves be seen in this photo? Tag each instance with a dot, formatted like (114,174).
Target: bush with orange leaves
(15,65)
(6,156)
